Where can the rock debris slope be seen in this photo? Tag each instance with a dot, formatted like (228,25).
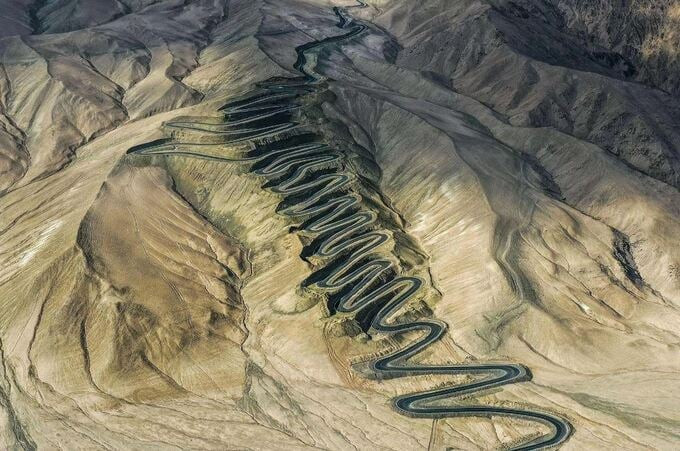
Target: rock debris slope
(523,155)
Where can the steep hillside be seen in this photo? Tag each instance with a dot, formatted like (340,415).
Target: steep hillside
(223,222)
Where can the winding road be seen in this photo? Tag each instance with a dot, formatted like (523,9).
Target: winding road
(318,189)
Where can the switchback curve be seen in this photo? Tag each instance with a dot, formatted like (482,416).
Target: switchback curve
(317,189)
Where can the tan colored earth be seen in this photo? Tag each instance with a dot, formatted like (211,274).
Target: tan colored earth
(526,155)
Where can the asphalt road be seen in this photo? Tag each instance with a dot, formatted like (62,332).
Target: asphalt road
(317,189)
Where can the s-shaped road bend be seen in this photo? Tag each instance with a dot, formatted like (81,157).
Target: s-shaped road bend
(316,188)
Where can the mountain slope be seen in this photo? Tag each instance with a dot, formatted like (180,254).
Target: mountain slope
(521,158)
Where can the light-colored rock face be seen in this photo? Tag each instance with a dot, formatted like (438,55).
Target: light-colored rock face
(521,167)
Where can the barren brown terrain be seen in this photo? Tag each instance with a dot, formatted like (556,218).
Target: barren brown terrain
(329,224)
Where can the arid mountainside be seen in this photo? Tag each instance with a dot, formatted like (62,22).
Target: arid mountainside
(562,64)
(520,159)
